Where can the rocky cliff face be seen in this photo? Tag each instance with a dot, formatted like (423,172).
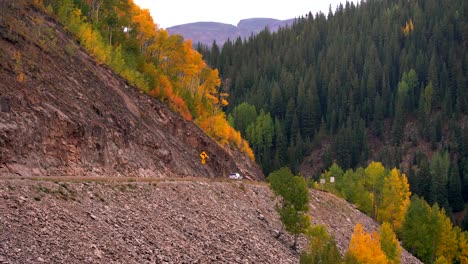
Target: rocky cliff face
(63,114)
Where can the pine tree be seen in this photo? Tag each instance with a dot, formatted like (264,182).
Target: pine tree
(455,197)
(439,179)
(276,101)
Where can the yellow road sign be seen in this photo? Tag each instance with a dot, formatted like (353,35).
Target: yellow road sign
(203,157)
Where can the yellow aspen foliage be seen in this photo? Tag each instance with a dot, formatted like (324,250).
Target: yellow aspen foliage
(209,83)
(374,174)
(389,244)
(146,27)
(92,41)
(366,247)
(463,248)
(218,128)
(408,28)
(247,150)
(448,243)
(441,260)
(395,199)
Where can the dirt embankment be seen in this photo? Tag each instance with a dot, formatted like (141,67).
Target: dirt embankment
(61,113)
(157,221)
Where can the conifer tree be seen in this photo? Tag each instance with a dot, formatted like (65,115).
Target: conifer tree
(455,197)
(439,179)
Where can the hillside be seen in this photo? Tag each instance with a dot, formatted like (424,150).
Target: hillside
(207,32)
(92,170)
(377,80)
(172,221)
(64,114)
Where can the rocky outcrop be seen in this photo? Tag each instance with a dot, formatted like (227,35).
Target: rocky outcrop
(61,113)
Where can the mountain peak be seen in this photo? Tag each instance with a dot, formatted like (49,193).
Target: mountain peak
(207,32)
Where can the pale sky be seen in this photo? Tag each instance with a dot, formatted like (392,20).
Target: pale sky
(167,13)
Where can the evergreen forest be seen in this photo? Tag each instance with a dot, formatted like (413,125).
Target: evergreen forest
(380,80)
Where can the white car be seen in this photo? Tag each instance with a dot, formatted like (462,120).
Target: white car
(235,176)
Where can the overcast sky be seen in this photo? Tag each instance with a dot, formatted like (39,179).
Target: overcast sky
(167,13)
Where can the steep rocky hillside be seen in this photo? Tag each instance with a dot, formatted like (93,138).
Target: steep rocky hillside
(63,114)
(156,221)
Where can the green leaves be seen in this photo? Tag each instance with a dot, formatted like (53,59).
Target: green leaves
(295,200)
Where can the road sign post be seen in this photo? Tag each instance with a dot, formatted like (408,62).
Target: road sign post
(203,157)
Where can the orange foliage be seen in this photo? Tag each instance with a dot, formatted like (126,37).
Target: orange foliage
(179,105)
(408,28)
(366,247)
(164,90)
(218,128)
(176,71)
(144,22)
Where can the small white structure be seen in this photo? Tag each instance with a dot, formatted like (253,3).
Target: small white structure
(235,176)
(322,181)
(332,179)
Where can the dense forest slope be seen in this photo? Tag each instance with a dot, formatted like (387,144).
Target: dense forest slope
(381,80)
(160,221)
(62,113)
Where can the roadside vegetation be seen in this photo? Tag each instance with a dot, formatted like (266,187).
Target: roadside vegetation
(424,230)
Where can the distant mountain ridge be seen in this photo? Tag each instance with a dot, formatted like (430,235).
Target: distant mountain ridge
(207,32)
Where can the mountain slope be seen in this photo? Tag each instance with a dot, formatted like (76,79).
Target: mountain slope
(63,114)
(378,80)
(207,32)
(172,221)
